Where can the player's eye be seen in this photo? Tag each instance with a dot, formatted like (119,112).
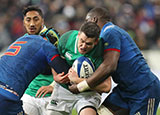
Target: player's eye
(28,19)
(82,41)
(89,44)
(36,19)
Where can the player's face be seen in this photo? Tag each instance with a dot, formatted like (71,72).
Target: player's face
(85,44)
(33,22)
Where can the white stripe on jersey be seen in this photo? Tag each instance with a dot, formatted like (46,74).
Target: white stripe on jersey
(111,26)
(138,113)
(75,45)
(150,109)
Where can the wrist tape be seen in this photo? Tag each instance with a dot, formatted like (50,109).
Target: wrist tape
(83,86)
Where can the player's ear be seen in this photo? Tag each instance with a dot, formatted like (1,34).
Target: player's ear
(43,22)
(95,19)
(78,34)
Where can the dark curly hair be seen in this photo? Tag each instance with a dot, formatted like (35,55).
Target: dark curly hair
(90,29)
(32,8)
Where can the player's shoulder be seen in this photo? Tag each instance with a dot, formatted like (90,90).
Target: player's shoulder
(36,41)
(27,37)
(68,36)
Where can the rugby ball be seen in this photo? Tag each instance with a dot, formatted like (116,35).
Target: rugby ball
(83,66)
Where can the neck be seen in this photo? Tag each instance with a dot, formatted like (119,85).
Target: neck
(101,25)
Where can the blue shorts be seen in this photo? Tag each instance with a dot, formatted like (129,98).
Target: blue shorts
(10,104)
(144,102)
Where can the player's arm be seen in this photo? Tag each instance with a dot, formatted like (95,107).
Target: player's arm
(59,64)
(107,67)
(60,69)
(42,91)
(60,78)
(105,86)
(47,71)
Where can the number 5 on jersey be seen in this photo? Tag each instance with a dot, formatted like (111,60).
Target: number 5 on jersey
(15,48)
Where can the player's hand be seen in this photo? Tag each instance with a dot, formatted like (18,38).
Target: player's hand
(51,34)
(73,88)
(44,90)
(61,78)
(73,76)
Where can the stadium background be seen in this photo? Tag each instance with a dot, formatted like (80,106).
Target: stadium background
(140,18)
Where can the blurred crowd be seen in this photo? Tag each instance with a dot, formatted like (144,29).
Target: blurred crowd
(140,18)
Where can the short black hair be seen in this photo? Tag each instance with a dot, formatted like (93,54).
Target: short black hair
(101,13)
(91,29)
(32,8)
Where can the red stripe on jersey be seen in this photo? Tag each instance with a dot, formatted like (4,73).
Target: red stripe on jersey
(54,56)
(112,49)
(45,38)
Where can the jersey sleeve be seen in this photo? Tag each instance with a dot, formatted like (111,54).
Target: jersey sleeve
(111,41)
(50,51)
(54,59)
(59,65)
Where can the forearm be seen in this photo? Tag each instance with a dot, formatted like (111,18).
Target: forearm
(99,76)
(59,65)
(78,80)
(107,67)
(104,86)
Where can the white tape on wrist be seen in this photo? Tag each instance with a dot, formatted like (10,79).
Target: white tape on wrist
(82,86)
(52,84)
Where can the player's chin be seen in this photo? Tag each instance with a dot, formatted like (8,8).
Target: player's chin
(31,32)
(82,52)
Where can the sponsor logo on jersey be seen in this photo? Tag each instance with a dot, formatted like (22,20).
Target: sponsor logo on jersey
(68,55)
(54,102)
(106,44)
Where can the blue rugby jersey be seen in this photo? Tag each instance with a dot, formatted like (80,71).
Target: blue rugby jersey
(132,73)
(27,57)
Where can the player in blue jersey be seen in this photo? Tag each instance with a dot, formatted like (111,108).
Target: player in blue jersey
(138,89)
(24,59)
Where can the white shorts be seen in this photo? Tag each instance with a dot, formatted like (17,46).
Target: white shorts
(64,101)
(35,106)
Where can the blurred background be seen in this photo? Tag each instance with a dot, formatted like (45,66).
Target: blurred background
(140,18)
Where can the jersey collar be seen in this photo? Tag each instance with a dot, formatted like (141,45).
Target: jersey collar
(107,26)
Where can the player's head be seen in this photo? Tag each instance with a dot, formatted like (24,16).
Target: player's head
(88,37)
(98,15)
(33,19)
